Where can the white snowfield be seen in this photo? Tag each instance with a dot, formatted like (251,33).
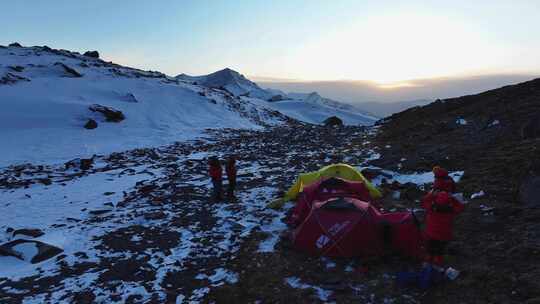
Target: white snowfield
(315,109)
(44,107)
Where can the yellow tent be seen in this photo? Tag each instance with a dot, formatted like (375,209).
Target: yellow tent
(338,170)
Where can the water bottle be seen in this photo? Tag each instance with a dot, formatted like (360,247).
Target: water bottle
(451,273)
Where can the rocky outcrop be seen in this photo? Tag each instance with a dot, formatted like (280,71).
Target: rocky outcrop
(111,114)
(333,121)
(29,232)
(15,44)
(10,78)
(91,124)
(70,72)
(92,54)
(17,248)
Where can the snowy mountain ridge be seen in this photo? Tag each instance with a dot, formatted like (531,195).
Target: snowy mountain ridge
(48,96)
(307,107)
(230,80)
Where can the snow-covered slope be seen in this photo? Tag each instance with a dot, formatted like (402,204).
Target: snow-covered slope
(45,96)
(230,80)
(315,109)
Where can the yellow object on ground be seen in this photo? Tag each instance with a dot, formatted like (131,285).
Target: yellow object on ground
(338,170)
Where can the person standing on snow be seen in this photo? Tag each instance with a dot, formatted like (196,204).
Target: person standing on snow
(441,209)
(230,168)
(215,173)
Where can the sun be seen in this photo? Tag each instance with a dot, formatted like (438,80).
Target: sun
(390,49)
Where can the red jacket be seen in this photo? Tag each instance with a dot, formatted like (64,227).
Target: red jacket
(441,209)
(215,172)
(445,183)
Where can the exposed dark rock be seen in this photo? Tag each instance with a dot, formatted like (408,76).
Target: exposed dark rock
(333,121)
(71,72)
(45,251)
(111,115)
(87,163)
(45,181)
(15,44)
(531,129)
(91,124)
(10,78)
(129,97)
(28,232)
(93,54)
(17,68)
(276,98)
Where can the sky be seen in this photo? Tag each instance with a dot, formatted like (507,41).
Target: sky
(386,42)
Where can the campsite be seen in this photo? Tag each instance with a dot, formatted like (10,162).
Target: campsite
(304,151)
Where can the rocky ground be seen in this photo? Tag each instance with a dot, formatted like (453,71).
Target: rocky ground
(139,227)
(153,235)
(495,138)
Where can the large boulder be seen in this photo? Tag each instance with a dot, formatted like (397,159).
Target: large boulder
(111,115)
(529,189)
(30,251)
(531,129)
(91,124)
(29,232)
(93,54)
(333,121)
(70,72)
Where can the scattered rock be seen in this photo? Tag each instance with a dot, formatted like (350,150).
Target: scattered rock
(91,124)
(10,78)
(111,114)
(29,232)
(17,68)
(44,251)
(333,121)
(93,54)
(276,98)
(86,163)
(45,181)
(129,97)
(15,44)
(71,72)
(99,212)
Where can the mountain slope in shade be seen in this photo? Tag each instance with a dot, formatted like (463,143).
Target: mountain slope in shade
(46,95)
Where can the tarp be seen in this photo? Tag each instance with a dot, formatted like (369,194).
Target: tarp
(343,171)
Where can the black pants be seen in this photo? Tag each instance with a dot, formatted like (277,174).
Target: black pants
(436,247)
(217,188)
(231,187)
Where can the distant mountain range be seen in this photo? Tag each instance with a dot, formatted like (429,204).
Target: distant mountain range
(386,99)
(307,107)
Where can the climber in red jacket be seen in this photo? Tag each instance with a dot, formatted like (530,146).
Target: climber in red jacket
(215,173)
(443,182)
(441,209)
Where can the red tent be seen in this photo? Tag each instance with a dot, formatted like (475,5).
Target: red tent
(335,217)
